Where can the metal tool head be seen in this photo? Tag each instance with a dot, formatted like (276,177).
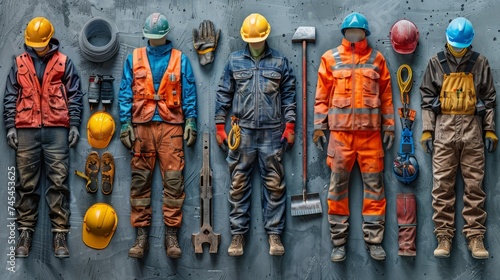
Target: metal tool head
(304,33)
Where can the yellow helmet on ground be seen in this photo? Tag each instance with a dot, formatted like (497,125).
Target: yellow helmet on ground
(255,29)
(38,32)
(99,225)
(100,129)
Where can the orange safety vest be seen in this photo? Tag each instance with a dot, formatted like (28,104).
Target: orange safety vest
(45,104)
(355,91)
(167,99)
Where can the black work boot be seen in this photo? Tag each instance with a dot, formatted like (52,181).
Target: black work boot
(60,246)
(171,243)
(141,244)
(23,243)
(107,91)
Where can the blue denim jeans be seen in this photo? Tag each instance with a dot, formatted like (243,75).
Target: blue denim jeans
(265,145)
(50,145)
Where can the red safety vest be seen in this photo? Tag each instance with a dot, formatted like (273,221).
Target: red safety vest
(169,95)
(45,104)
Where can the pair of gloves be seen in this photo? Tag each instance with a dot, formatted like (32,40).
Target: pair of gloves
(490,141)
(319,139)
(287,138)
(127,134)
(73,137)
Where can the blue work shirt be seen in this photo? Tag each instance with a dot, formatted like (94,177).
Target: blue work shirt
(158,58)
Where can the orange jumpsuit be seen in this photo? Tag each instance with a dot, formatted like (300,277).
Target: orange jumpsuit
(354,101)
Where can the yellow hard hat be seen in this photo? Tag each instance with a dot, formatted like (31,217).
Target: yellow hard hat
(255,29)
(38,32)
(99,225)
(100,129)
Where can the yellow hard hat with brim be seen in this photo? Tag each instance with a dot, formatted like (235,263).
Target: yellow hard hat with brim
(99,225)
(100,129)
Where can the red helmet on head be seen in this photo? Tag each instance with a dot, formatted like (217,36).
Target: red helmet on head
(404,36)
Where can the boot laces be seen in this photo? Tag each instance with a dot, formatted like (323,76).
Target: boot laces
(24,239)
(60,240)
(172,240)
(237,240)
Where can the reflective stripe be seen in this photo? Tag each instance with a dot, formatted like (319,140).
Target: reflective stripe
(319,116)
(373,182)
(369,63)
(337,196)
(357,111)
(138,202)
(374,195)
(173,202)
(388,116)
(340,219)
(373,218)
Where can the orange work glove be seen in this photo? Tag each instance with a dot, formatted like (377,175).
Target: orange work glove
(221,136)
(288,137)
(319,139)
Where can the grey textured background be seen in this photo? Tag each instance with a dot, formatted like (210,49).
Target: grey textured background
(306,239)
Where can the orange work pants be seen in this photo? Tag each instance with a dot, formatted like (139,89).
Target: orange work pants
(344,148)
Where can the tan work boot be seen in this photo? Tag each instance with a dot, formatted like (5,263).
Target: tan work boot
(141,244)
(92,165)
(476,246)
(236,247)
(444,246)
(171,244)
(276,248)
(108,172)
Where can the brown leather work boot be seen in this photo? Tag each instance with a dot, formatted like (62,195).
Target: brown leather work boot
(171,244)
(236,247)
(23,243)
(276,248)
(60,245)
(444,246)
(92,171)
(108,172)
(141,244)
(476,246)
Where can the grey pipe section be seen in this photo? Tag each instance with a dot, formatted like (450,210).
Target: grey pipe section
(99,40)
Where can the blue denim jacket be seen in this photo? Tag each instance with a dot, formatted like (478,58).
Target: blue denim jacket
(261,93)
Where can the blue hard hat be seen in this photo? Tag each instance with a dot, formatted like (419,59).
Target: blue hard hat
(460,33)
(405,168)
(355,20)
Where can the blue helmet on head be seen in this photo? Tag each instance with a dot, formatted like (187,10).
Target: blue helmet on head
(355,20)
(460,33)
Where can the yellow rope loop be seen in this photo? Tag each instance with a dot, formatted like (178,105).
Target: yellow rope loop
(234,137)
(405,86)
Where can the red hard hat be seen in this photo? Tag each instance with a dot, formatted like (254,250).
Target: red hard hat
(404,36)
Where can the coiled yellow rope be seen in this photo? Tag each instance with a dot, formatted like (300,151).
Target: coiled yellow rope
(234,137)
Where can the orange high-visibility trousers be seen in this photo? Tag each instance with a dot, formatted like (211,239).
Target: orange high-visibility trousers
(344,148)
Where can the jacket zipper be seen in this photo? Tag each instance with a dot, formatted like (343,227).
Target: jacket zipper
(353,75)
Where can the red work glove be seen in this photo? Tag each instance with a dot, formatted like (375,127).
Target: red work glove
(288,137)
(221,136)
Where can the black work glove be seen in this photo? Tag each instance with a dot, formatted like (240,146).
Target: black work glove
(205,41)
(12,138)
(73,136)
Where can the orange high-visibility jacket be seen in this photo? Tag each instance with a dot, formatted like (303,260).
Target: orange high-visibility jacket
(168,97)
(45,104)
(354,90)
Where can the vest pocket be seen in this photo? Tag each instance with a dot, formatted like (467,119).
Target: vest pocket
(56,99)
(174,91)
(24,107)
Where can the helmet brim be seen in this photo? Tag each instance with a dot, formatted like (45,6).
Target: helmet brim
(95,241)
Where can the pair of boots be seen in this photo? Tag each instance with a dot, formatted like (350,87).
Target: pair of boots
(23,245)
(107,166)
(476,246)
(276,247)
(101,88)
(376,251)
(141,244)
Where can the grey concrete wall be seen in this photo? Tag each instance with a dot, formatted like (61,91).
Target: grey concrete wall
(306,238)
